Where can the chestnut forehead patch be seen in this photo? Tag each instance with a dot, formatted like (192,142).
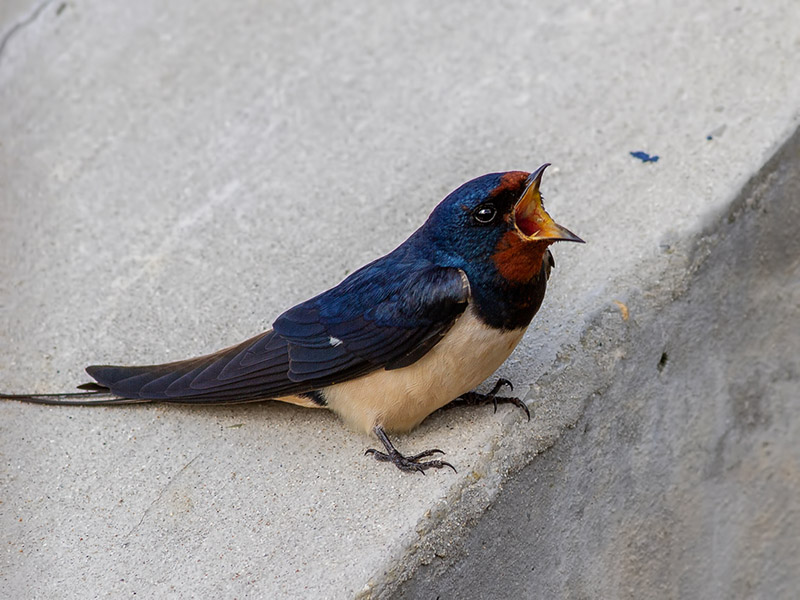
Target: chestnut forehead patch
(512,182)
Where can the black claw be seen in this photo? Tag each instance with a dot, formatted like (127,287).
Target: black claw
(499,384)
(408,464)
(477,398)
(444,463)
(522,405)
(425,454)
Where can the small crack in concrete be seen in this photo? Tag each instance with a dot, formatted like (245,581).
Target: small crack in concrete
(24,23)
(161,495)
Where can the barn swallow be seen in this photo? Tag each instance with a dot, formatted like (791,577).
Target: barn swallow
(396,340)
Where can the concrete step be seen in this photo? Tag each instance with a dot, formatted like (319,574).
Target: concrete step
(172,177)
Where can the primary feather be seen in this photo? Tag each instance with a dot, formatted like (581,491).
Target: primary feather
(328,339)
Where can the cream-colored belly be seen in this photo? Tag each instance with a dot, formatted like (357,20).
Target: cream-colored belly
(400,399)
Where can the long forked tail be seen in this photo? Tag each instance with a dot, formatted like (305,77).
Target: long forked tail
(94,395)
(252,371)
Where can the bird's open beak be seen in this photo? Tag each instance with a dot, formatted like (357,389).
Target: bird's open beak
(532,219)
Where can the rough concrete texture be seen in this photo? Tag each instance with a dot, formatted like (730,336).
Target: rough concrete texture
(681,479)
(175,175)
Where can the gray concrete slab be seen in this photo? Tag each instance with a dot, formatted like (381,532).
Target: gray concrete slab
(174,176)
(680,479)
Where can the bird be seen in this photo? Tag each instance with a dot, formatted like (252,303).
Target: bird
(401,337)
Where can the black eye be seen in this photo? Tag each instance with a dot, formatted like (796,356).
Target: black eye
(485,213)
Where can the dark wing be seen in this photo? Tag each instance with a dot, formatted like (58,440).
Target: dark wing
(377,319)
(382,316)
(253,370)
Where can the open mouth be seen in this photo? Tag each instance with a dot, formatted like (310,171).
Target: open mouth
(532,219)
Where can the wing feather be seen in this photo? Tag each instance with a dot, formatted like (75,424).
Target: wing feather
(376,318)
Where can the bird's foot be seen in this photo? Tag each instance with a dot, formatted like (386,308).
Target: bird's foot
(409,464)
(472,398)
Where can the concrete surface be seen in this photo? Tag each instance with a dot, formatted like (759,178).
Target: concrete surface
(173,177)
(681,478)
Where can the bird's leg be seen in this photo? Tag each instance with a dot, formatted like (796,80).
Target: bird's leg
(472,398)
(406,463)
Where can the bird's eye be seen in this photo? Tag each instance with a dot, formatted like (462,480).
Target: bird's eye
(485,213)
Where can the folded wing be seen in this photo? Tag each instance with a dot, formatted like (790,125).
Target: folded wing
(379,317)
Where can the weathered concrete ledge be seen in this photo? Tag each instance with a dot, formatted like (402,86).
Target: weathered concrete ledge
(173,176)
(681,476)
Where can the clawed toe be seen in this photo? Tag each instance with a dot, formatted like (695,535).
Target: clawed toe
(478,398)
(499,384)
(517,402)
(411,463)
(408,464)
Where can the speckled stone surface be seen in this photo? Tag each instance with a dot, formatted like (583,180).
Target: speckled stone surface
(173,176)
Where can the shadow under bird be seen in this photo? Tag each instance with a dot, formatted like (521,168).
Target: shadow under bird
(401,337)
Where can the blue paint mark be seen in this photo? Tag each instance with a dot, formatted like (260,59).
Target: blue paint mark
(644,156)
